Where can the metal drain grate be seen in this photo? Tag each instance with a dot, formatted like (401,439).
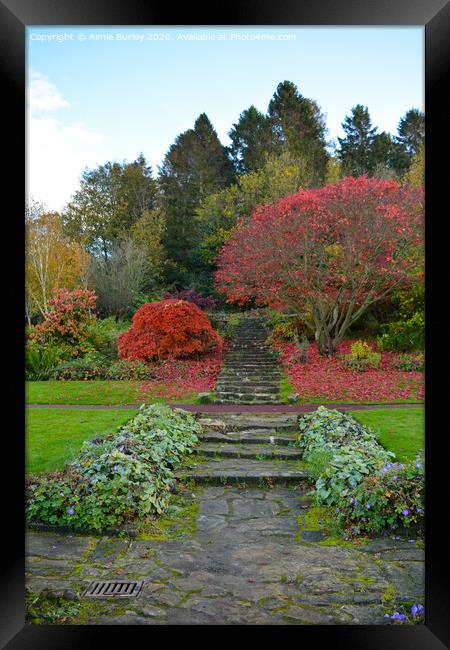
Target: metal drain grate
(116,588)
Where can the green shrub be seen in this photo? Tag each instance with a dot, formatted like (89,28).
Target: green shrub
(404,336)
(361,357)
(351,468)
(407,333)
(409,362)
(41,360)
(129,369)
(91,366)
(102,335)
(118,479)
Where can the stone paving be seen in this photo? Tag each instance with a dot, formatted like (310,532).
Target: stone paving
(228,552)
(248,562)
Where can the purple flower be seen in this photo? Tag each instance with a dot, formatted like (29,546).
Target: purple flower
(351,499)
(352,483)
(394,478)
(418,509)
(405,512)
(116,468)
(368,506)
(411,541)
(70,511)
(418,464)
(396,616)
(417,610)
(338,509)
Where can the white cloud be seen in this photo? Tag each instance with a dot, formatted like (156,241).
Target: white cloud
(42,94)
(57,152)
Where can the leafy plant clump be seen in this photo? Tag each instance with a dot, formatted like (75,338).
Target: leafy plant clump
(361,357)
(168,329)
(67,320)
(118,479)
(355,474)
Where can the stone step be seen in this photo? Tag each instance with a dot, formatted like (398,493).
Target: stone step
(249,472)
(249,437)
(242,398)
(251,450)
(236,387)
(247,391)
(246,400)
(250,422)
(267,374)
(254,381)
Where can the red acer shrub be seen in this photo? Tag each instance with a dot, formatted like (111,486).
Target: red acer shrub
(168,329)
(334,250)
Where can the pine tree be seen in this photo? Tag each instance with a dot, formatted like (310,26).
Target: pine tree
(195,166)
(356,149)
(411,131)
(251,139)
(299,126)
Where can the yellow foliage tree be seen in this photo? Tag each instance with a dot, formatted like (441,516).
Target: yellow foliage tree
(51,262)
(415,175)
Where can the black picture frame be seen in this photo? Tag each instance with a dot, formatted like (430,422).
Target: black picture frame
(434,15)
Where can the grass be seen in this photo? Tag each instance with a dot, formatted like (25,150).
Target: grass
(399,430)
(55,436)
(96,392)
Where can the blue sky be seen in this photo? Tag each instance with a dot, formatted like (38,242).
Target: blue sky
(97,94)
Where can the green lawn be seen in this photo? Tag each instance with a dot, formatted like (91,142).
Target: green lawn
(399,430)
(54,436)
(95,392)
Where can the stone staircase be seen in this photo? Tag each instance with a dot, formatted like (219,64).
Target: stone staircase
(250,373)
(250,450)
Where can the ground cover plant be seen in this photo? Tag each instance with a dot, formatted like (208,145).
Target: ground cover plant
(370,491)
(334,379)
(120,478)
(55,436)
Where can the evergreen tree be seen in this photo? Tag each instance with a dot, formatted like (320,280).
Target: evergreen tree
(251,139)
(195,166)
(411,131)
(356,149)
(299,126)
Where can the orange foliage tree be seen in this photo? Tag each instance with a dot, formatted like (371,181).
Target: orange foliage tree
(168,329)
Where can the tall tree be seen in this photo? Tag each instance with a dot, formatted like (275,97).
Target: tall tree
(52,261)
(251,139)
(356,148)
(298,125)
(411,131)
(336,250)
(111,198)
(219,213)
(195,166)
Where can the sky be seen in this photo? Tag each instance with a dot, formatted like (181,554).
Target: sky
(109,93)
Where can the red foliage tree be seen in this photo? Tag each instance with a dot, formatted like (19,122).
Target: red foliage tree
(66,321)
(168,329)
(334,250)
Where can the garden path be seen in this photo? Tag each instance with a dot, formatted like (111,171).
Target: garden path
(250,373)
(236,548)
